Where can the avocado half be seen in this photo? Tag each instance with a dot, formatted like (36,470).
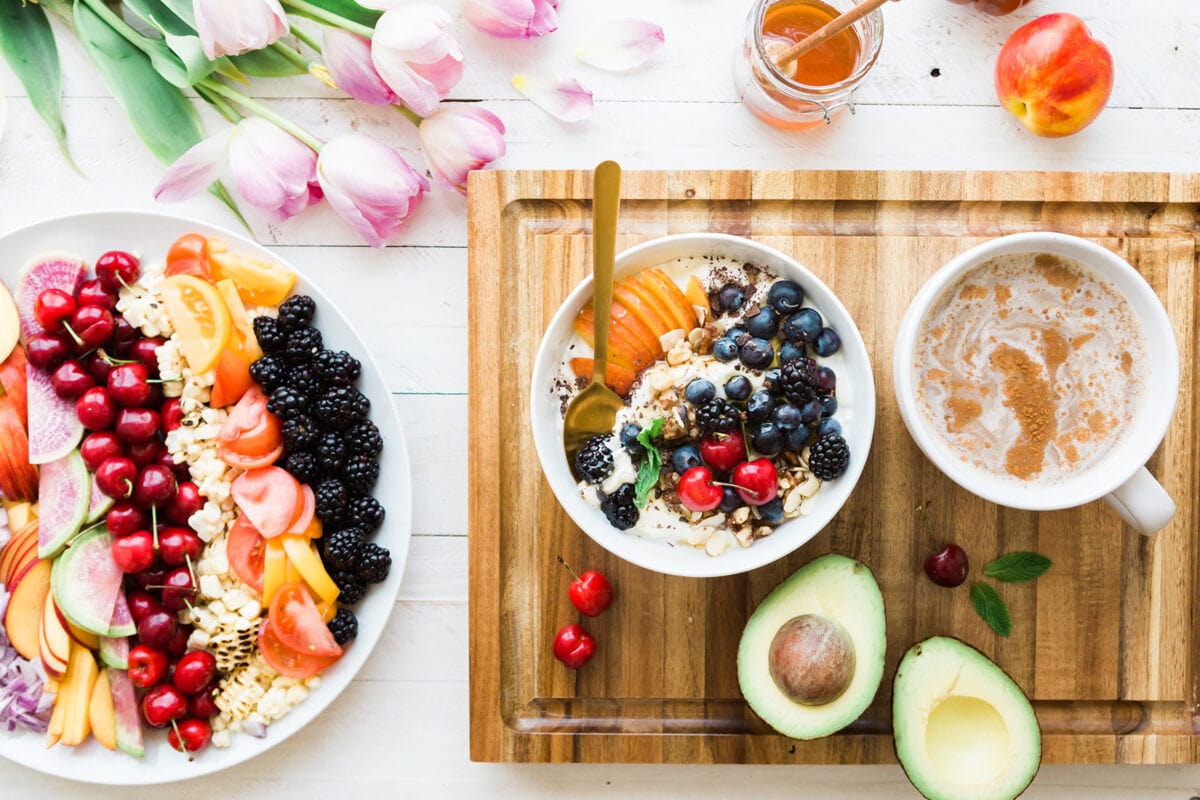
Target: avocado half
(962,726)
(842,594)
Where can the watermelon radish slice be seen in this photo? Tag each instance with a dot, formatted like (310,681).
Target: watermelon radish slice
(114,651)
(86,582)
(125,706)
(98,505)
(54,427)
(64,494)
(122,620)
(47,271)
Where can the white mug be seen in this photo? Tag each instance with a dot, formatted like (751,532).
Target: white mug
(1120,476)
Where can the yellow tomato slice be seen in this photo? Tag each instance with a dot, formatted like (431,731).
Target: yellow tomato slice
(303,555)
(243,329)
(274,569)
(259,283)
(200,317)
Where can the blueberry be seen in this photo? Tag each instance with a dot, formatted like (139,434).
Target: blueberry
(826,379)
(772,512)
(790,352)
(738,388)
(736,333)
(764,324)
(827,426)
(757,354)
(767,438)
(771,378)
(730,500)
(811,412)
(785,296)
(725,349)
(700,391)
(685,457)
(797,440)
(760,405)
(827,342)
(629,434)
(828,405)
(787,416)
(731,297)
(803,326)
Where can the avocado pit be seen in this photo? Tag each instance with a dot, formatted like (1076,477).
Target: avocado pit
(812,659)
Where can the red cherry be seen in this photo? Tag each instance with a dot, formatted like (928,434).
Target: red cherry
(190,736)
(948,567)
(124,518)
(574,646)
(158,629)
(590,592)
(124,335)
(127,384)
(756,482)
(116,476)
(47,350)
(194,671)
(116,268)
(177,545)
(697,491)
(144,453)
(178,644)
(178,468)
(155,486)
(135,425)
(723,451)
(135,552)
(92,293)
(95,409)
(147,666)
(98,366)
(171,414)
(93,325)
(71,380)
(187,501)
(142,604)
(98,447)
(178,589)
(52,306)
(146,351)
(151,577)
(203,704)
(162,704)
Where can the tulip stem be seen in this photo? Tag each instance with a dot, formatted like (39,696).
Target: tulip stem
(291,55)
(261,110)
(318,13)
(306,40)
(409,114)
(220,105)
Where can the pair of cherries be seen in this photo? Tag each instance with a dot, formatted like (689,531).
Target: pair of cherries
(756,482)
(591,594)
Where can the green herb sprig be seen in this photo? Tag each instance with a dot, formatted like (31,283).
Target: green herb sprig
(651,465)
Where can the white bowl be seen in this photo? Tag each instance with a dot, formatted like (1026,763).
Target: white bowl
(856,413)
(89,235)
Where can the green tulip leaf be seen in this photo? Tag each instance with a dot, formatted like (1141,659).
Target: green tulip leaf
(27,44)
(346,9)
(266,63)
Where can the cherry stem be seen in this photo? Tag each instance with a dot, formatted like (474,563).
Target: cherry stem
(191,570)
(110,360)
(179,737)
(154,525)
(121,281)
(568,568)
(750,492)
(924,509)
(74,335)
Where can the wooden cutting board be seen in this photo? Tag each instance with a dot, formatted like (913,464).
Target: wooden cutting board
(1104,644)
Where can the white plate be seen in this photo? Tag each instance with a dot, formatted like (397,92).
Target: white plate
(89,235)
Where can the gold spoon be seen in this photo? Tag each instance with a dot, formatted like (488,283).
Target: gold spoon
(593,411)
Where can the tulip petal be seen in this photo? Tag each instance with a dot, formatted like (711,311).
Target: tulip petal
(563,98)
(622,44)
(370,186)
(197,169)
(233,27)
(458,140)
(513,19)
(348,57)
(417,30)
(271,169)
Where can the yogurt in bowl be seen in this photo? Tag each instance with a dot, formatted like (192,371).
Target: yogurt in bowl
(739,367)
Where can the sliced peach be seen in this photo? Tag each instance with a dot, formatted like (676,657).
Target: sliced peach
(23,618)
(676,296)
(637,342)
(697,296)
(101,712)
(650,299)
(646,312)
(635,326)
(617,378)
(663,300)
(619,351)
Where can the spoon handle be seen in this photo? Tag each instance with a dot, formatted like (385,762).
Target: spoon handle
(606,199)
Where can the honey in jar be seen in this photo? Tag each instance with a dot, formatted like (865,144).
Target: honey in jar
(786,23)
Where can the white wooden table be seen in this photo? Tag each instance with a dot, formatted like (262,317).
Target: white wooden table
(401,729)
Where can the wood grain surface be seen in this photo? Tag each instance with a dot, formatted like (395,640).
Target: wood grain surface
(1103,644)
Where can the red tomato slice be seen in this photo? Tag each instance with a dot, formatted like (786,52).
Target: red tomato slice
(245,548)
(189,256)
(297,623)
(304,512)
(250,430)
(233,379)
(248,462)
(268,496)
(287,661)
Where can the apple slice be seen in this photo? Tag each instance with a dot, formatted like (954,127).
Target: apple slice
(646,312)
(23,619)
(20,514)
(55,641)
(16,552)
(54,730)
(617,378)
(86,638)
(10,323)
(101,712)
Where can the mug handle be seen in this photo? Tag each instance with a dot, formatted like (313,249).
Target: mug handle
(1143,503)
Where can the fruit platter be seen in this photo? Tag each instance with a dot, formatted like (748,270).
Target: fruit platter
(206,505)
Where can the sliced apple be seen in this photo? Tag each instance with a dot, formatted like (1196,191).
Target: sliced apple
(694,291)
(101,712)
(617,378)
(23,619)
(16,552)
(55,728)
(55,641)
(19,514)
(86,638)
(18,477)
(10,322)
(646,312)
(81,681)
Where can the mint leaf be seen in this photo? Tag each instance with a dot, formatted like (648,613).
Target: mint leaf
(1018,567)
(651,465)
(989,605)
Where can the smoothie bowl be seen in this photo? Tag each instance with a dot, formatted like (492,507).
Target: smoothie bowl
(749,407)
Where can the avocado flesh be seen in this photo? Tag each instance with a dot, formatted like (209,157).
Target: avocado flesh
(963,728)
(836,587)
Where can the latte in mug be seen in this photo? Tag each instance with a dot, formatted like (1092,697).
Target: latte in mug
(1030,367)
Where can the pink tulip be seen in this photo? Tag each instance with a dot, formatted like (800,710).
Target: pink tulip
(415,56)
(370,186)
(513,19)
(233,27)
(459,140)
(348,57)
(272,170)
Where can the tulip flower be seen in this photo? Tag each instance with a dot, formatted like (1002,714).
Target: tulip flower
(233,27)
(513,19)
(415,56)
(459,140)
(271,169)
(370,185)
(348,57)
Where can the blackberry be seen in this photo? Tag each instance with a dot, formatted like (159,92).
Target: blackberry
(343,626)
(798,380)
(270,371)
(829,457)
(619,508)
(352,587)
(365,512)
(343,548)
(374,562)
(305,378)
(303,345)
(331,500)
(272,338)
(297,312)
(364,438)
(338,366)
(717,416)
(360,473)
(299,433)
(341,407)
(287,403)
(331,452)
(303,466)
(594,461)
